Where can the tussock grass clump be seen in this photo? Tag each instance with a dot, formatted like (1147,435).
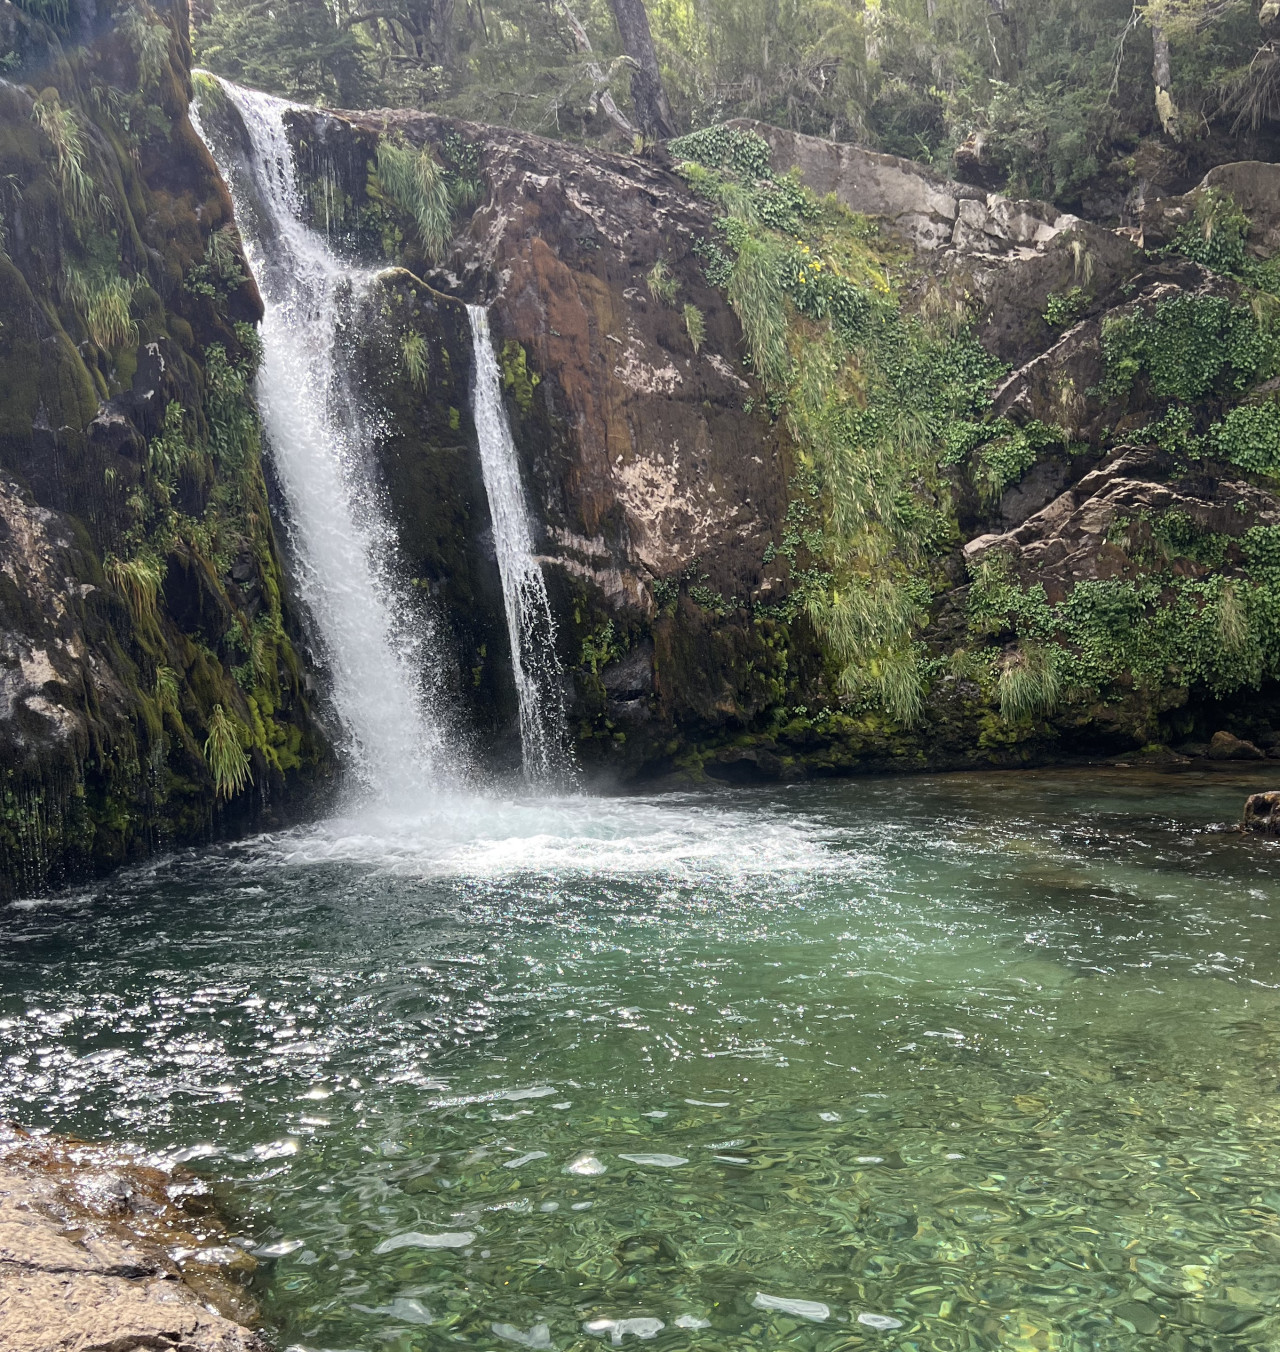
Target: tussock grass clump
(757,297)
(413,182)
(107,314)
(224,755)
(1029,682)
(413,356)
(695,325)
(166,691)
(662,282)
(138,581)
(62,129)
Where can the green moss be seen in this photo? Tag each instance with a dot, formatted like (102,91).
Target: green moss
(518,379)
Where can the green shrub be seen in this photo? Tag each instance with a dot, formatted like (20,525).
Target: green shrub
(1249,436)
(1187,348)
(1216,234)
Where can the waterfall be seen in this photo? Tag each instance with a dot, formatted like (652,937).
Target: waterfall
(319,438)
(530,625)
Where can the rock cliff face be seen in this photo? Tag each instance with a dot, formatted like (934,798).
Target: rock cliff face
(147,650)
(668,479)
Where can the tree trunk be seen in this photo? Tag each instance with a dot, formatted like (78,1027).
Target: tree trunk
(600,79)
(653,112)
(1165,106)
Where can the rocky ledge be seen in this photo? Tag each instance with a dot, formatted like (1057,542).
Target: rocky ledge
(102,1252)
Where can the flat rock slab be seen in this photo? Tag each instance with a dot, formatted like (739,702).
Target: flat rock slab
(84,1265)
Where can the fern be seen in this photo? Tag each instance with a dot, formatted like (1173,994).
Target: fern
(695,326)
(413,181)
(225,756)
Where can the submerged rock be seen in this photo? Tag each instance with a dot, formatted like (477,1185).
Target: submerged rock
(102,1250)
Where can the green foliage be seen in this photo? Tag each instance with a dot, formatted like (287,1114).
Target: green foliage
(1167,629)
(600,647)
(1187,348)
(149,39)
(138,582)
(1062,309)
(1029,681)
(413,182)
(518,378)
(1001,452)
(744,154)
(107,314)
(1216,234)
(169,450)
(220,273)
(413,356)
(166,693)
(662,284)
(695,325)
(225,755)
(1249,436)
(61,126)
(756,294)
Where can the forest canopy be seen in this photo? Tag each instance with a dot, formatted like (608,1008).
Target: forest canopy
(1051,98)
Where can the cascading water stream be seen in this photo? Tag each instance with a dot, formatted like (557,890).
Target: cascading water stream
(319,440)
(531,627)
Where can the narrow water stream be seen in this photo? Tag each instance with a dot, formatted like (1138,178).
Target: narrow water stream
(951,1063)
(531,628)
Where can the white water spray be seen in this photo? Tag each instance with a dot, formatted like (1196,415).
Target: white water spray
(320,441)
(531,627)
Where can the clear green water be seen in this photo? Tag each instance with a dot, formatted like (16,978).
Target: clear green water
(996,1057)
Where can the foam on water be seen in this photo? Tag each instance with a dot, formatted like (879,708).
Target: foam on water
(673,837)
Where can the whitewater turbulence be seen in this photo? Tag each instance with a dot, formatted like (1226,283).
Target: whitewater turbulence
(531,627)
(320,439)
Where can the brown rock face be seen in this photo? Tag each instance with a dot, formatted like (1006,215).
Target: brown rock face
(662,491)
(1226,746)
(86,1237)
(1262,813)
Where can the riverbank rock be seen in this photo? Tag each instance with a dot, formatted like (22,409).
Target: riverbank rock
(1226,746)
(97,1255)
(1262,812)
